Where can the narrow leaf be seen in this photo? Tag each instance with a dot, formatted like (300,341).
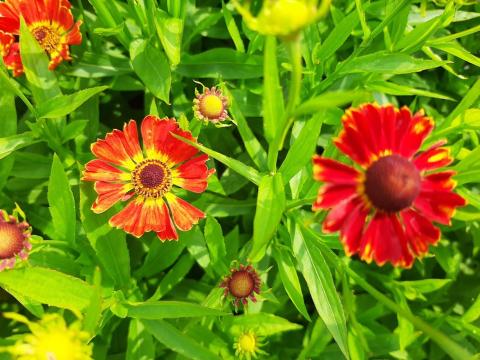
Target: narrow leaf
(154,310)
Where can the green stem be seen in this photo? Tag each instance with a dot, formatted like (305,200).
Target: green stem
(295,50)
(299,202)
(450,347)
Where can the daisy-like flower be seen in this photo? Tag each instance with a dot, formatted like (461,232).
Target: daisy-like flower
(123,171)
(385,206)
(210,105)
(248,346)
(14,239)
(285,18)
(242,284)
(51,339)
(50,22)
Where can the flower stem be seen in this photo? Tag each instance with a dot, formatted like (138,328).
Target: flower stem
(450,347)
(294,48)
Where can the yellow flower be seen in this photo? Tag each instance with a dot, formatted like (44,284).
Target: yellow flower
(284,18)
(248,346)
(210,105)
(51,339)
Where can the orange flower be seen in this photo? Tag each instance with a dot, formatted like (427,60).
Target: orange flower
(50,22)
(384,209)
(14,239)
(123,171)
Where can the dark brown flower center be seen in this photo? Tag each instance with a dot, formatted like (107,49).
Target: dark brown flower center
(392,183)
(152,178)
(11,240)
(46,37)
(241,284)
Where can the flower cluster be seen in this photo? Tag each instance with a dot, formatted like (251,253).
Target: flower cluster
(50,22)
(384,208)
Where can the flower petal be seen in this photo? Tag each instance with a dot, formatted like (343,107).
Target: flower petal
(433,158)
(332,171)
(169,233)
(419,128)
(352,229)
(184,214)
(337,216)
(441,181)
(112,149)
(109,194)
(99,170)
(419,231)
(438,206)
(331,194)
(385,241)
(193,174)
(130,141)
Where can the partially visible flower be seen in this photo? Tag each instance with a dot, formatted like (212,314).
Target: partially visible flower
(14,239)
(248,345)
(210,105)
(51,339)
(242,284)
(123,171)
(385,208)
(284,18)
(50,22)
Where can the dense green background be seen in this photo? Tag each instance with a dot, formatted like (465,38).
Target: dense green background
(142,57)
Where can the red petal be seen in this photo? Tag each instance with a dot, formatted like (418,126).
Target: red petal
(193,174)
(441,181)
(169,233)
(384,241)
(13,60)
(420,231)
(184,214)
(433,158)
(352,229)
(337,216)
(74,36)
(332,171)
(99,170)
(350,142)
(438,206)
(130,141)
(112,149)
(109,194)
(419,128)
(331,194)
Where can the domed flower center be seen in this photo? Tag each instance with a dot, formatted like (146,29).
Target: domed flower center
(211,106)
(392,183)
(152,178)
(47,37)
(11,240)
(247,343)
(241,284)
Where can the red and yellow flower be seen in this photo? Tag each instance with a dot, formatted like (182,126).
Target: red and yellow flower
(123,171)
(210,105)
(14,239)
(50,22)
(385,206)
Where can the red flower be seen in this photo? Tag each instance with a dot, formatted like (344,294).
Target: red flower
(14,239)
(123,171)
(242,284)
(385,207)
(50,22)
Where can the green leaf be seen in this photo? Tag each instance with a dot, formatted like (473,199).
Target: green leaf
(455,49)
(11,85)
(221,63)
(246,171)
(473,312)
(43,82)
(140,345)
(264,324)
(61,202)
(216,245)
(387,63)
(48,287)
(11,143)
(254,148)
(271,203)
(63,105)
(174,276)
(73,130)
(170,33)
(109,243)
(273,103)
(173,339)
(232,28)
(322,289)
(467,101)
(8,127)
(330,100)
(303,148)
(153,310)
(391,88)
(290,280)
(152,67)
